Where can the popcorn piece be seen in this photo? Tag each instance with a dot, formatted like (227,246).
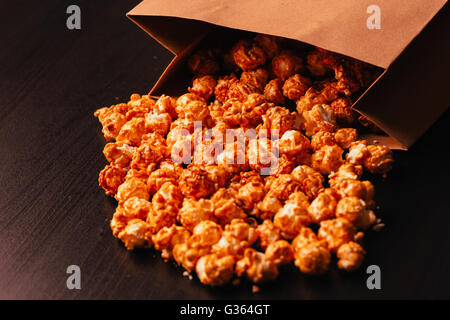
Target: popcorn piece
(136,234)
(240,91)
(132,132)
(168,237)
(379,159)
(357,152)
(195,182)
(327,159)
(355,210)
(323,207)
(203,86)
(336,232)
(166,104)
(166,204)
(110,178)
(354,188)
(119,153)
(250,194)
(192,107)
(281,119)
(322,138)
(167,172)
(345,137)
(268,207)
(237,236)
(295,86)
(255,78)
(248,55)
(319,118)
(158,122)
(256,267)
(214,270)
(136,208)
(144,156)
(192,212)
(342,107)
(345,171)
(294,145)
(225,206)
(283,186)
(223,86)
(203,62)
(351,256)
(133,187)
(293,216)
(273,91)
(207,232)
(269,44)
(280,252)
(311,181)
(313,258)
(286,64)
(267,233)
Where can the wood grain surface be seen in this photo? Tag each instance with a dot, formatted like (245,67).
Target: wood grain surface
(53,214)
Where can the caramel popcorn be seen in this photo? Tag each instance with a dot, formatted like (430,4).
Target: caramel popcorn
(336,232)
(280,252)
(136,234)
(203,87)
(192,212)
(248,55)
(245,207)
(169,237)
(273,91)
(110,178)
(214,270)
(267,233)
(323,207)
(350,255)
(256,267)
(295,86)
(286,64)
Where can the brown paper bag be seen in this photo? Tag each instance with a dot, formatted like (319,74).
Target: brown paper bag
(411,46)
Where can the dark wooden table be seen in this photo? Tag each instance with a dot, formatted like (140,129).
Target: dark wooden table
(53,214)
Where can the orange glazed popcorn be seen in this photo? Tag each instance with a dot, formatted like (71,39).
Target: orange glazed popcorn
(258,164)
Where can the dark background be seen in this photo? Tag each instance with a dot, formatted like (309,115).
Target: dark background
(53,214)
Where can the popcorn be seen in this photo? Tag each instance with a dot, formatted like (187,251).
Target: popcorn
(248,55)
(168,237)
(286,64)
(295,86)
(203,87)
(246,207)
(192,212)
(327,159)
(273,91)
(350,256)
(110,178)
(336,232)
(256,267)
(214,270)
(267,233)
(136,234)
(280,252)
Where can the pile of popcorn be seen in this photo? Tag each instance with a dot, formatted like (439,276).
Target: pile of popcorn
(297,195)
